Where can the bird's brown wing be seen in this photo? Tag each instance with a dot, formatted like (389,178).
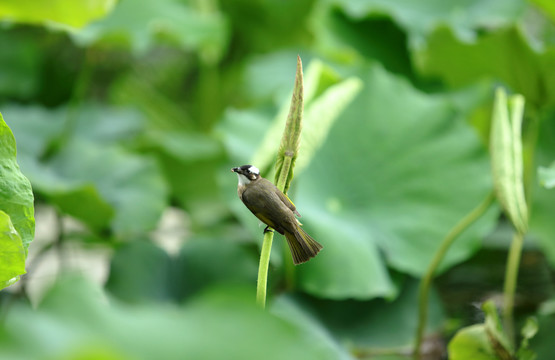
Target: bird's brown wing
(266,204)
(285,200)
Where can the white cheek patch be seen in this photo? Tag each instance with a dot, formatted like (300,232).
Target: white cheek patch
(254,170)
(243,180)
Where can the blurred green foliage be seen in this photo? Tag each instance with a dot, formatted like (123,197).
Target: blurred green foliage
(124,111)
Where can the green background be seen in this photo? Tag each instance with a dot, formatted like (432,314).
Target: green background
(128,116)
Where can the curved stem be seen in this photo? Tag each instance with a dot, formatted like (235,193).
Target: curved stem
(425,284)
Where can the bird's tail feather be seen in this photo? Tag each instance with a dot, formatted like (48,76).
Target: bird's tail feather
(302,246)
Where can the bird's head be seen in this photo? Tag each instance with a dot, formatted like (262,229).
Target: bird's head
(246,174)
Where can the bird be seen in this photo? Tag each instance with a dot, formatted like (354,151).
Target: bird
(276,210)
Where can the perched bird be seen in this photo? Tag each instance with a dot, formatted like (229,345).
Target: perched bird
(275,209)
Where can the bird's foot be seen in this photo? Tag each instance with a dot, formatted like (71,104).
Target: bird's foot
(268,229)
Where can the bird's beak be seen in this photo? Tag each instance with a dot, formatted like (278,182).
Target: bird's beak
(235,169)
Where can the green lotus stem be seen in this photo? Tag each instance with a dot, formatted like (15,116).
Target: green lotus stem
(426,281)
(262,283)
(264,264)
(285,162)
(283,176)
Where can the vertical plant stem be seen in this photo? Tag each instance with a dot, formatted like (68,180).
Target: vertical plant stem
(282,179)
(264,263)
(285,161)
(511,277)
(426,282)
(262,283)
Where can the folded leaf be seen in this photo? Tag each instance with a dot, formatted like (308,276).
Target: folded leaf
(506,157)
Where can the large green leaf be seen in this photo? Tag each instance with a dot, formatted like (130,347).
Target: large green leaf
(419,18)
(12,252)
(399,169)
(16,195)
(504,55)
(75,321)
(65,12)
(140,23)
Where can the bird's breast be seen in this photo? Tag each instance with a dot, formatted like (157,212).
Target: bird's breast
(240,191)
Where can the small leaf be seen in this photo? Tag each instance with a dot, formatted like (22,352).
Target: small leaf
(471,343)
(547,176)
(496,335)
(529,330)
(506,157)
(483,341)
